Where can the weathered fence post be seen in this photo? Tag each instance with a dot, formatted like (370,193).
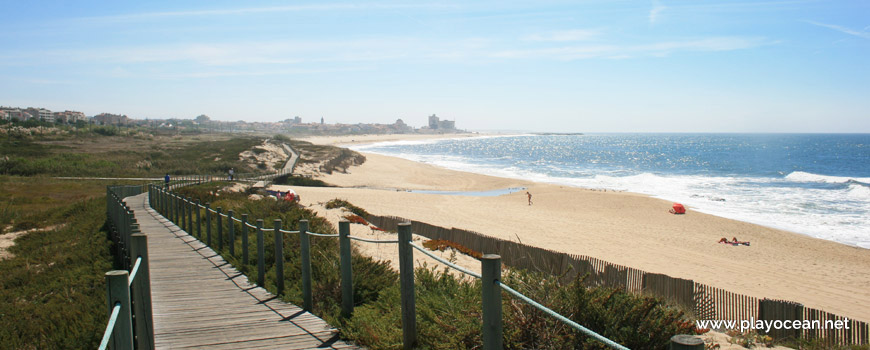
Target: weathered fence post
(198,221)
(261,259)
(190,206)
(220,229)
(406,282)
(279,257)
(164,206)
(176,213)
(686,342)
(244,239)
(305,253)
(182,219)
(490,271)
(232,233)
(141,292)
(208,224)
(346,271)
(118,291)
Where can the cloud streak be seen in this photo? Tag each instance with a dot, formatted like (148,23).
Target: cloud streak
(256,10)
(656,10)
(659,49)
(564,35)
(841,29)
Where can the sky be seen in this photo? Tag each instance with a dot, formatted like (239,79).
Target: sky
(555,66)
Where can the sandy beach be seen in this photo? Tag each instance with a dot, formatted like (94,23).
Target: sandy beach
(623,228)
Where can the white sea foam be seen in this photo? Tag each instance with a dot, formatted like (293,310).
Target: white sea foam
(800,176)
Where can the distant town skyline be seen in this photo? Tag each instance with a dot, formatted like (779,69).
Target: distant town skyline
(593,66)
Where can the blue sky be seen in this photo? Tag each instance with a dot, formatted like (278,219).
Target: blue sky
(579,66)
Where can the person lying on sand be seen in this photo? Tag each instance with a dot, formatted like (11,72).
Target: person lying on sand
(733,241)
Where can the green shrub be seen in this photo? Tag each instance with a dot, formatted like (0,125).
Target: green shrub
(53,290)
(300,181)
(341,203)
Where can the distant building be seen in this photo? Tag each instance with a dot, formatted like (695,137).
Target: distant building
(41,114)
(400,126)
(70,117)
(321,120)
(16,114)
(4,115)
(436,123)
(111,119)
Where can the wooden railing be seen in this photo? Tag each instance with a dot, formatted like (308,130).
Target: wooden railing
(131,323)
(186,213)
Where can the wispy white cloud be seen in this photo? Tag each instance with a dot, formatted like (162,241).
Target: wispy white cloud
(255,10)
(654,12)
(861,34)
(564,35)
(576,52)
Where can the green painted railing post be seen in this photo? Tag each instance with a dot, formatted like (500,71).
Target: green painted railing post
(190,216)
(178,204)
(208,224)
(141,293)
(406,282)
(346,271)
(220,229)
(198,221)
(279,257)
(244,233)
(261,258)
(117,291)
(232,233)
(182,213)
(490,271)
(305,253)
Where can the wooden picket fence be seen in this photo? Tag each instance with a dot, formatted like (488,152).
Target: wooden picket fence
(706,302)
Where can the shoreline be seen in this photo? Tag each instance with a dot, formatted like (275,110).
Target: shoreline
(626,228)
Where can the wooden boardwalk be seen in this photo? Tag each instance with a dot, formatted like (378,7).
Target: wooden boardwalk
(201,301)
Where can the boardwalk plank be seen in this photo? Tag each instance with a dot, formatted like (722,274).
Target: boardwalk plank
(200,301)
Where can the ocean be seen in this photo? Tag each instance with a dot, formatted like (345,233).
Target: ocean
(813,184)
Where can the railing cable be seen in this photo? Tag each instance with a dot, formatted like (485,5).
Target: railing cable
(134,271)
(445,262)
(110,326)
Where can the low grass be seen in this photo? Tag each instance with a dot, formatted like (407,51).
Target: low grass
(109,155)
(53,289)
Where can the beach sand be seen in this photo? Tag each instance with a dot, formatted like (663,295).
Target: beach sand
(622,228)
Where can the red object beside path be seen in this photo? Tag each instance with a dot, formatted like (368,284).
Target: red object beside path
(678,209)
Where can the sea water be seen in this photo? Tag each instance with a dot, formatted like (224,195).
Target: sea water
(814,184)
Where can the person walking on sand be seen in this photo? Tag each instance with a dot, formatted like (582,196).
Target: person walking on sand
(530,197)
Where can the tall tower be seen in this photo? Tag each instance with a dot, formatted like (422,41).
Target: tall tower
(321,120)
